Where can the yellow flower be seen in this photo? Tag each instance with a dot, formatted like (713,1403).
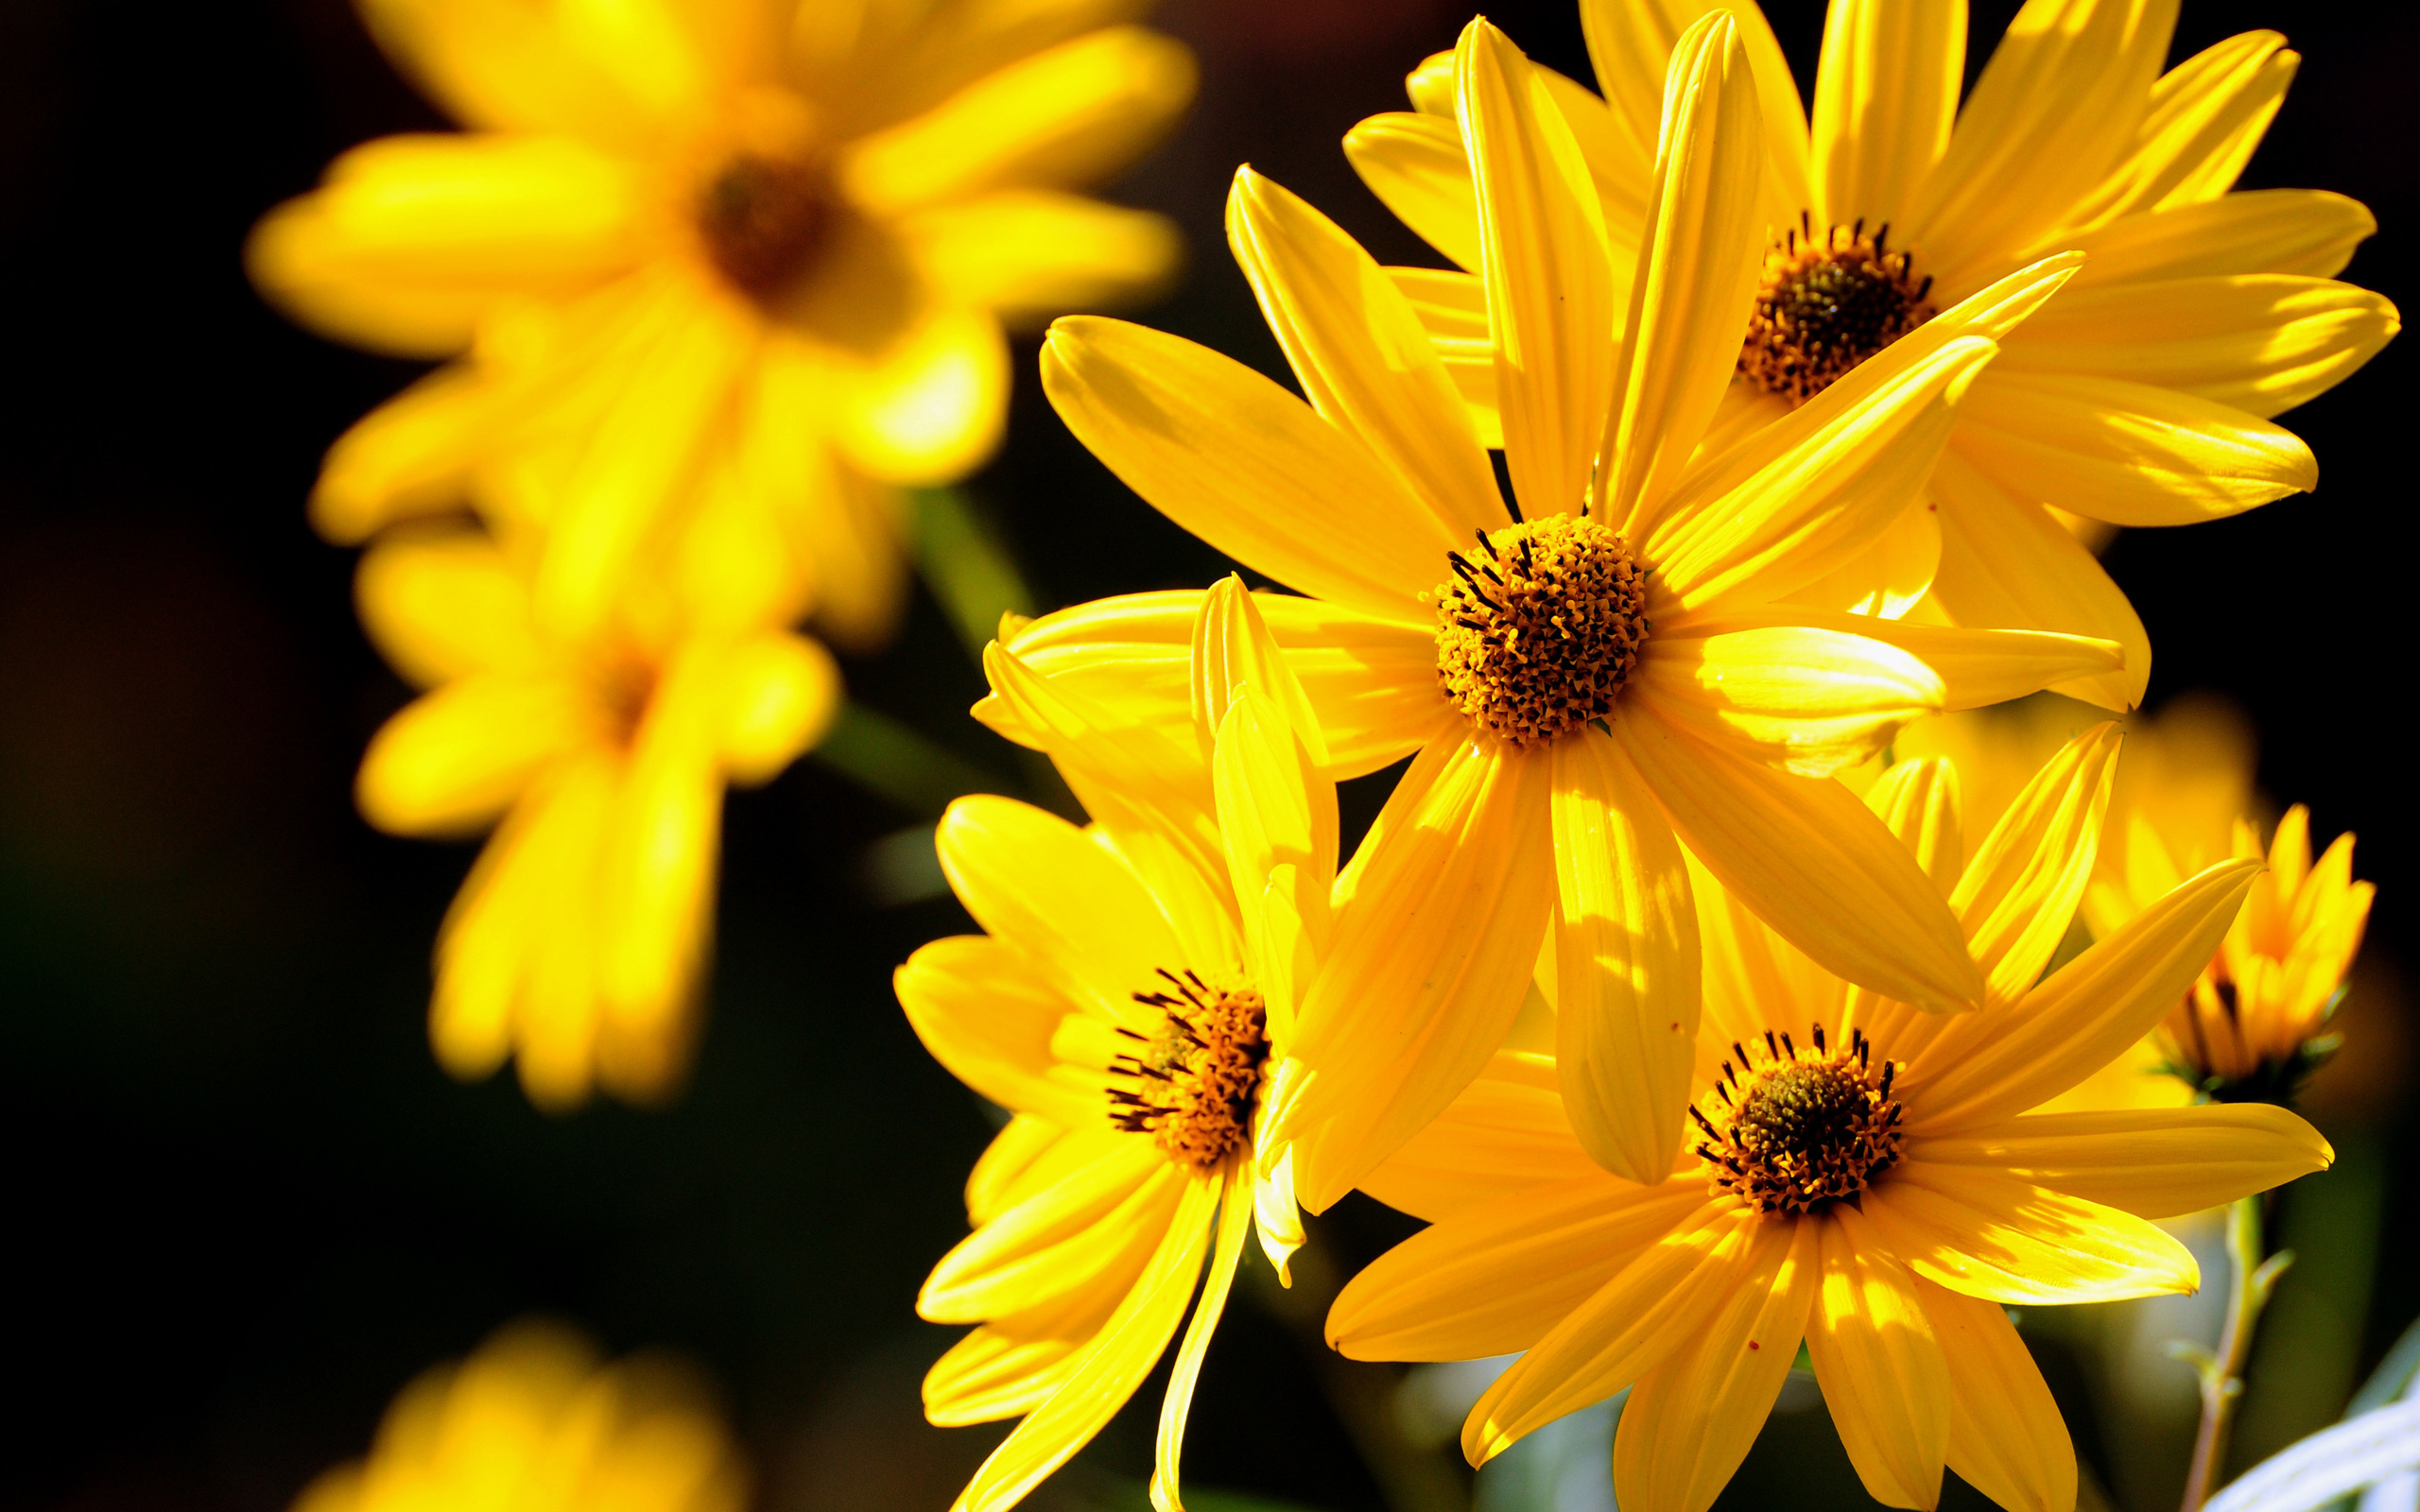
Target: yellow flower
(1864,1177)
(729,243)
(1138,978)
(578,943)
(533,1423)
(1654,653)
(2141,395)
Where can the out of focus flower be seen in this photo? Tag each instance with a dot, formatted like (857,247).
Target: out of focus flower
(733,243)
(533,1422)
(2140,395)
(1654,652)
(1137,979)
(578,943)
(1864,1176)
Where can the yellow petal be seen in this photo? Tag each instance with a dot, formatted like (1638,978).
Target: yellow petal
(1452,308)
(1096,1224)
(530,68)
(1360,351)
(2006,1436)
(450,762)
(1975,668)
(1506,1132)
(1501,1275)
(1027,254)
(1235,1225)
(2006,1240)
(411,455)
(1415,165)
(1278,1217)
(1810,860)
(2020,892)
(1438,922)
(1754,980)
(1280,826)
(2308,233)
(1626,962)
(1232,649)
(2127,453)
(2207,114)
(1688,1426)
(2262,343)
(446,604)
(1996,1064)
(1549,284)
(1920,800)
(1031,1154)
(1630,44)
(780,694)
(927,406)
(2152,1162)
(1059,119)
(1695,1270)
(1886,90)
(1880,1366)
(989,1375)
(1697,274)
(2006,562)
(843,526)
(1811,701)
(1246,466)
(877,64)
(1114,1362)
(984,1014)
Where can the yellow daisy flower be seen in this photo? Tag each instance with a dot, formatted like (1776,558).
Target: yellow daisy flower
(533,1422)
(2142,395)
(770,238)
(1653,653)
(578,943)
(1862,1178)
(1136,979)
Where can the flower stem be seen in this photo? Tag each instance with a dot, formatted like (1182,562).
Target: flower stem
(2250,1282)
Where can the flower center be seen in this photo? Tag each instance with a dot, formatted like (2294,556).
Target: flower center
(1192,1085)
(1539,627)
(1825,307)
(1800,1129)
(764,220)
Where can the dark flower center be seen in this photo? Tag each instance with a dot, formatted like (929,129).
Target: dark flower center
(1826,304)
(764,220)
(1798,1130)
(1539,627)
(1192,1086)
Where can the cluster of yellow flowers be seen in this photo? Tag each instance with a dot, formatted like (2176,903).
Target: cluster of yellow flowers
(1667,987)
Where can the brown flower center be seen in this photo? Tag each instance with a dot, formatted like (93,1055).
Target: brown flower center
(1192,1086)
(1539,627)
(1825,306)
(764,220)
(1800,1129)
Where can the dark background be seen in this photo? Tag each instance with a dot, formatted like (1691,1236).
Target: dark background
(245,1206)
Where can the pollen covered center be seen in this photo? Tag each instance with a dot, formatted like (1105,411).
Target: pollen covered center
(1192,1086)
(1796,1130)
(1540,626)
(1825,304)
(764,220)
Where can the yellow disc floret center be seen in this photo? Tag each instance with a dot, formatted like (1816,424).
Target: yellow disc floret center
(1796,1130)
(763,218)
(1539,627)
(1192,1086)
(1825,304)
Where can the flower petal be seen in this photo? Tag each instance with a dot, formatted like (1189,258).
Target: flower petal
(450,762)
(1452,308)
(2007,1240)
(2006,1436)
(1028,253)
(1921,803)
(1631,46)
(1811,701)
(1100,1221)
(2309,232)
(2207,114)
(2019,893)
(1974,668)
(1886,90)
(1234,1226)
(2152,1162)
(1415,165)
(985,1015)
(1506,1132)
(445,604)
(1880,1366)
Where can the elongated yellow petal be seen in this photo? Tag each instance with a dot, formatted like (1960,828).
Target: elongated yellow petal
(1974,668)
(1416,166)
(1549,280)
(1691,1422)
(2019,893)
(2207,116)
(1886,90)
(2128,453)
(446,604)
(1246,466)
(2006,562)
(926,403)
(1360,351)
(878,64)
(1921,803)
(1030,1155)
(2009,1241)
(984,1013)
(1234,1226)
(1880,1366)
(1452,308)
(2152,1162)
(1027,254)
(1997,1064)
(1649,1307)
(1810,860)
(1506,1132)
(779,694)
(989,1375)
(411,455)
(1630,44)
(2308,233)
(518,68)
(1097,1224)
(1626,962)
(1232,649)
(1697,273)
(1754,980)
(450,762)
(1115,1362)
(2006,1436)
(1811,701)
(1280,825)
(1437,923)
(2262,343)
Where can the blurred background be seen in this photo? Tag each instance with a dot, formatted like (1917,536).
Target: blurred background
(248,1204)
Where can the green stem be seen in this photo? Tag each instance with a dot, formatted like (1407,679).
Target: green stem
(967,566)
(2250,1282)
(896,762)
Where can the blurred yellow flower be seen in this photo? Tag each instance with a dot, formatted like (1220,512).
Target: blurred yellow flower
(1863,1177)
(2140,395)
(1138,978)
(766,244)
(578,943)
(533,1423)
(1654,652)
